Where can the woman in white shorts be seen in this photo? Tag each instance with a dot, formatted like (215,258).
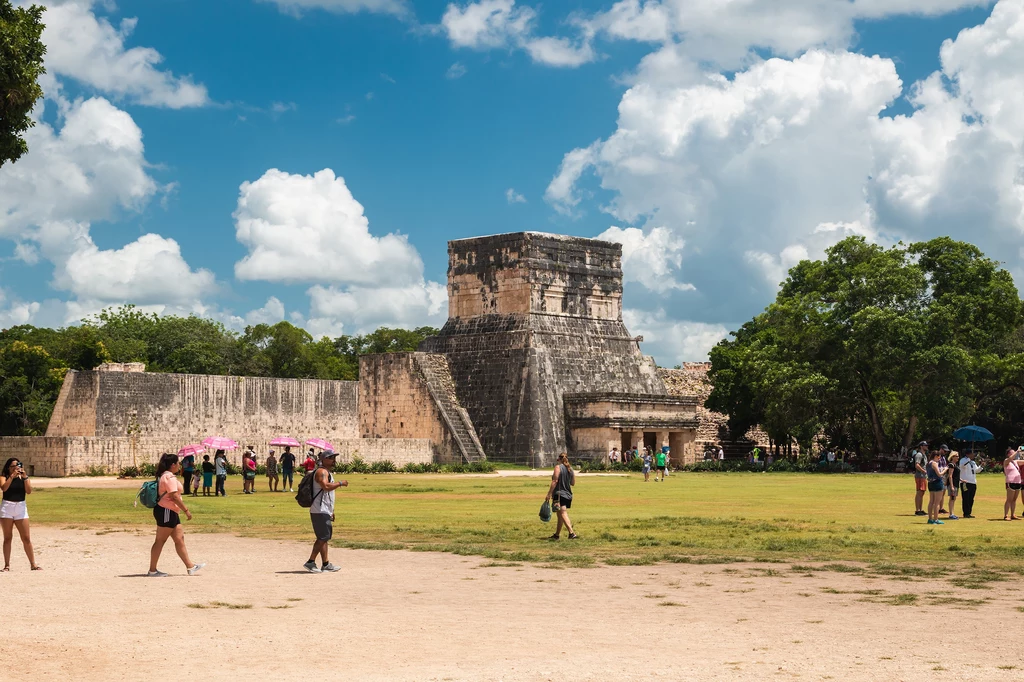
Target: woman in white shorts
(13,511)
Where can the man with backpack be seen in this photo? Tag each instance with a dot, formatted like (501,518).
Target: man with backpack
(317,488)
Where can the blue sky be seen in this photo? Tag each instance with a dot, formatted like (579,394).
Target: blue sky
(722,145)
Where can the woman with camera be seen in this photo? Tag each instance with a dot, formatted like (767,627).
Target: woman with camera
(13,511)
(168,523)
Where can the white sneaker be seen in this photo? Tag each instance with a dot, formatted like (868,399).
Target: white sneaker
(290,490)
(329,568)
(195,569)
(311,567)
(156,574)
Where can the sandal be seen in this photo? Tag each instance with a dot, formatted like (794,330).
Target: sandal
(37,568)
(6,569)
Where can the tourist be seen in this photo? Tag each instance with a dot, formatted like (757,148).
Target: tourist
(310,463)
(196,478)
(560,494)
(953,483)
(936,475)
(1012,472)
(944,464)
(168,524)
(969,482)
(646,461)
(721,454)
(249,472)
(321,513)
(660,464)
(14,511)
(613,456)
(919,457)
(188,465)
(208,470)
(220,462)
(272,472)
(287,468)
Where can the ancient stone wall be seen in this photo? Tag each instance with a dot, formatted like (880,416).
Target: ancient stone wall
(531,317)
(77,455)
(186,407)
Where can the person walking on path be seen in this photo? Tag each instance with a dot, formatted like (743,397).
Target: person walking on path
(220,463)
(321,513)
(969,482)
(953,483)
(560,494)
(14,511)
(208,470)
(188,466)
(287,468)
(936,476)
(919,457)
(1013,485)
(168,524)
(272,472)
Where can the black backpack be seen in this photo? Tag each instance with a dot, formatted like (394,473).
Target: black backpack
(305,496)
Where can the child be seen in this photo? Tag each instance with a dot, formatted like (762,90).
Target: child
(208,470)
(195,482)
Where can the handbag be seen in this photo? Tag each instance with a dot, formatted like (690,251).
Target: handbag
(545,512)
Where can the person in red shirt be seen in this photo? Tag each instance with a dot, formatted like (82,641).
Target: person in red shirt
(310,463)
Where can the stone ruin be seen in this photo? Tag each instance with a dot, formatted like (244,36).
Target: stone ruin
(533,360)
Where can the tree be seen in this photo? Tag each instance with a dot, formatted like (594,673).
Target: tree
(874,344)
(30,380)
(21,64)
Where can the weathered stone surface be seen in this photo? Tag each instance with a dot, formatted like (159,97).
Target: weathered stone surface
(531,317)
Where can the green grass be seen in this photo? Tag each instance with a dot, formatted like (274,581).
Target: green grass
(692,518)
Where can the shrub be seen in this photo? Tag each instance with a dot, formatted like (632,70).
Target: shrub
(147,470)
(383,466)
(358,466)
(129,472)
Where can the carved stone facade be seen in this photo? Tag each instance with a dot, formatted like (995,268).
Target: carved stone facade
(533,317)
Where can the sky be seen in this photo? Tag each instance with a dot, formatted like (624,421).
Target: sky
(259,160)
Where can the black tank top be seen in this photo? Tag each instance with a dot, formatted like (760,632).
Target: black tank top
(15,491)
(563,488)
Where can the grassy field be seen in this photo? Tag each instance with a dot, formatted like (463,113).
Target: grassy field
(692,518)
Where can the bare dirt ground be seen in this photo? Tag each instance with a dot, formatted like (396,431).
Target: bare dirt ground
(90,615)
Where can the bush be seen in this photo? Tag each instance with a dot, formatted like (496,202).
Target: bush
(805,466)
(384,466)
(129,472)
(147,470)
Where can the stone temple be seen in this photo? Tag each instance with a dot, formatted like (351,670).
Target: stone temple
(533,360)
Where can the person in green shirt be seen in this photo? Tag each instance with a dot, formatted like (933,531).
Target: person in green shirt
(659,465)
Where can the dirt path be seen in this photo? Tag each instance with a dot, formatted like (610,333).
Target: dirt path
(422,616)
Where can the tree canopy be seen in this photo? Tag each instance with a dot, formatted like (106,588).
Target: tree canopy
(33,360)
(21,64)
(877,346)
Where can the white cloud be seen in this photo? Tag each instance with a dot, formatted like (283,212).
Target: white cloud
(755,172)
(14,312)
(85,172)
(725,33)
(514,197)
(673,341)
(650,259)
(496,24)
(396,7)
(271,313)
(455,71)
(89,49)
(309,228)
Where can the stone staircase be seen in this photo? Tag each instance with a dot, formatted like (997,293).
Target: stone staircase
(438,376)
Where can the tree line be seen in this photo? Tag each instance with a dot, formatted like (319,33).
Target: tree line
(872,349)
(33,360)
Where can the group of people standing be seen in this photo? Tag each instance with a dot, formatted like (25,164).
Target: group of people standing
(660,460)
(943,473)
(279,472)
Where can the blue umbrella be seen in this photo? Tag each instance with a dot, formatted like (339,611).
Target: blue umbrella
(972,433)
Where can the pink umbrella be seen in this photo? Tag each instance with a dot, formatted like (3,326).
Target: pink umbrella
(194,449)
(220,443)
(286,440)
(319,443)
